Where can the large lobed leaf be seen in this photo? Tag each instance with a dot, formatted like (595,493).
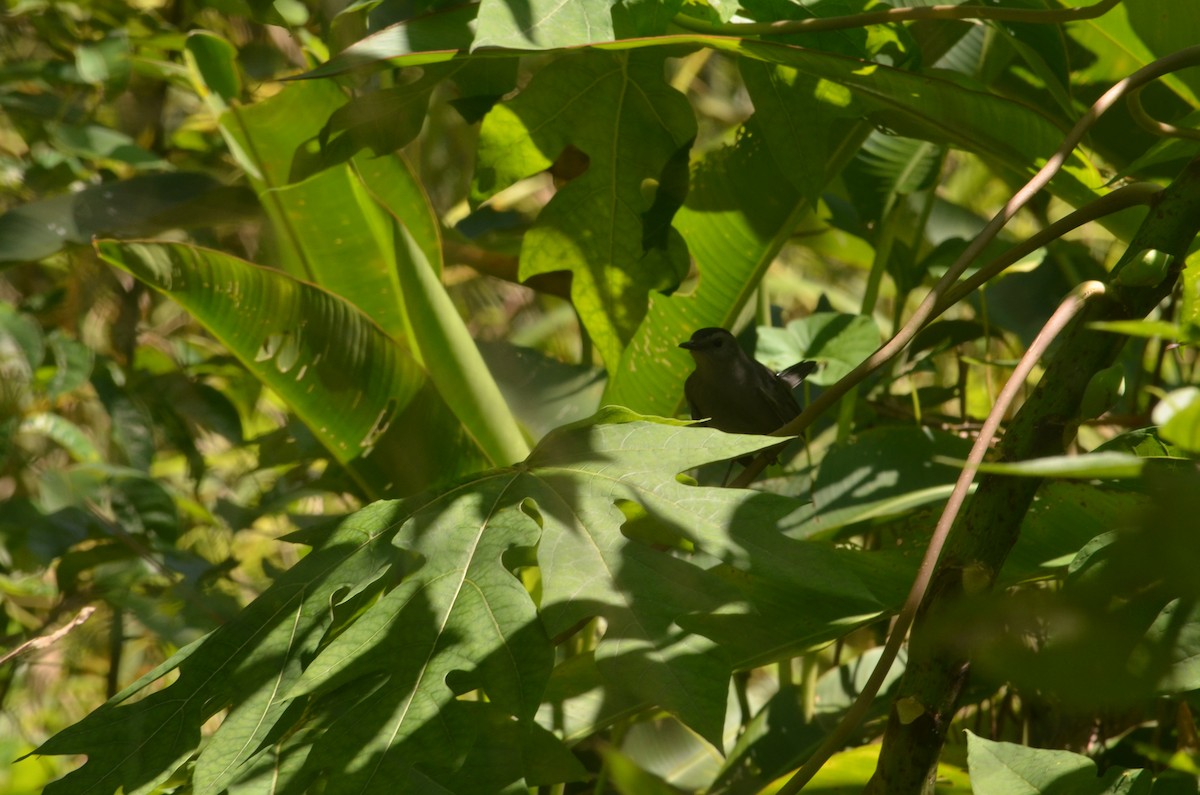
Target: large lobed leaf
(635,130)
(357,666)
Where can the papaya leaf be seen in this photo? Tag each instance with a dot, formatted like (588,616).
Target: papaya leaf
(246,663)
(740,210)
(601,225)
(356,668)
(542,24)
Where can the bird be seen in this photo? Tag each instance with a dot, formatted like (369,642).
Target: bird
(733,392)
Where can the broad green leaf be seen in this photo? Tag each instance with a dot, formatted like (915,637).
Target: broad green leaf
(393,185)
(740,210)
(215,59)
(344,239)
(544,393)
(1178,626)
(451,357)
(888,167)
(840,342)
(632,776)
(664,747)
(1010,769)
(644,595)
(1102,392)
(941,107)
(339,224)
(1162,27)
(351,662)
(1065,516)
(578,701)
(850,770)
(542,24)
(246,663)
(803,119)
(945,108)
(361,395)
(1132,35)
(384,121)
(273,139)
(1142,328)
(338,230)
(461,613)
(883,471)
(430,38)
(1178,415)
(602,226)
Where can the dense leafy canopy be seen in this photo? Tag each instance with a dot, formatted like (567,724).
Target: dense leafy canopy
(339,368)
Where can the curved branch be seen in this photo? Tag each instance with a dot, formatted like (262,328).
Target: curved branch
(1189,56)
(894,15)
(1148,122)
(1071,305)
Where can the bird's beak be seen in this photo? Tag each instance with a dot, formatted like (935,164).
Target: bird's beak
(688,344)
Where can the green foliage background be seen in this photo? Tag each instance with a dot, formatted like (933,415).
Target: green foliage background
(339,376)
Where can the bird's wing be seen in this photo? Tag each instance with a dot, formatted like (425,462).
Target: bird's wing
(689,388)
(776,393)
(793,376)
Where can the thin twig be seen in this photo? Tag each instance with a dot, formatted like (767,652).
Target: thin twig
(1189,56)
(1148,122)
(46,641)
(1067,310)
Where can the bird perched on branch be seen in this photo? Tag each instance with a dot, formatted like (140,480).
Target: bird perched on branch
(733,391)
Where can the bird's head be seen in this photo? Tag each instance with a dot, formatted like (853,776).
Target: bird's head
(712,345)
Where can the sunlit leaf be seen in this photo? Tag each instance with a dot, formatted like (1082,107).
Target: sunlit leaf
(1009,769)
(339,372)
(600,225)
(542,24)
(424,607)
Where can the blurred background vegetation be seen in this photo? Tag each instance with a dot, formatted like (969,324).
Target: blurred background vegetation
(149,471)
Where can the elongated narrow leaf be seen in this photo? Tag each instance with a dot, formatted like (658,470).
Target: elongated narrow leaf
(1090,466)
(453,361)
(361,395)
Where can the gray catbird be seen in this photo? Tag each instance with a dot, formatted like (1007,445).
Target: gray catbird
(733,391)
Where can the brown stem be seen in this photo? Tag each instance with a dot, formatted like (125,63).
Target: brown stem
(854,716)
(976,550)
(1189,56)
(895,15)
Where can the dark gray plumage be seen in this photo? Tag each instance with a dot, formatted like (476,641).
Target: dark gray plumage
(733,391)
